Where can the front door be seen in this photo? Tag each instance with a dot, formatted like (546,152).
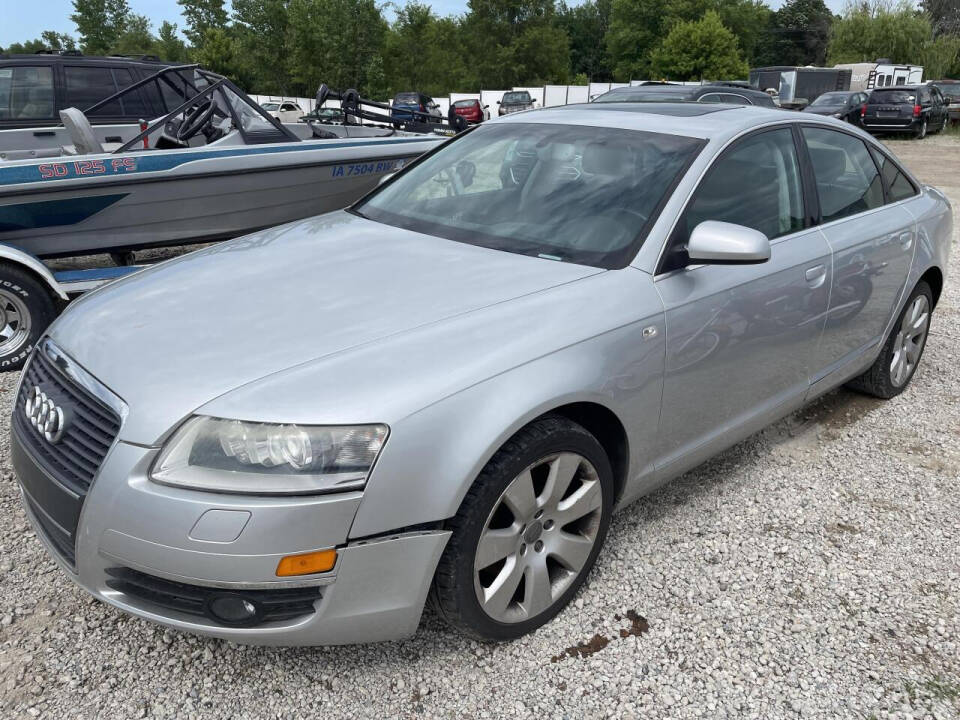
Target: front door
(872,245)
(741,338)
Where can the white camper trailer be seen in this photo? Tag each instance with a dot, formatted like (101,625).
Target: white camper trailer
(882,73)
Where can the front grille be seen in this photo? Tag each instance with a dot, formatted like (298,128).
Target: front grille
(90,431)
(61,540)
(273,605)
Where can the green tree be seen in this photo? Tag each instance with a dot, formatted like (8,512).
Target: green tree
(339,42)
(700,50)
(28,47)
(513,42)
(58,42)
(586,26)
(99,23)
(202,15)
(878,29)
(169,45)
(264,32)
(798,34)
(944,16)
(941,57)
(136,38)
(637,28)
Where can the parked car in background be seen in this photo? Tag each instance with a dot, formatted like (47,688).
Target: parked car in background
(688,93)
(457,380)
(950,89)
(472,111)
(515,101)
(405,104)
(916,109)
(325,115)
(846,106)
(285,111)
(35,88)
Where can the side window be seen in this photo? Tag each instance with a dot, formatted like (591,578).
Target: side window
(736,99)
(756,184)
(847,179)
(710,98)
(899,186)
(88,85)
(132,103)
(26,93)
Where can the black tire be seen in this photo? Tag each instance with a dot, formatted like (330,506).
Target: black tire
(877,381)
(921,133)
(21,293)
(453,587)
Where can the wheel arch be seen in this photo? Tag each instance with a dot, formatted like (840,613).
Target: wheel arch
(933,277)
(14,257)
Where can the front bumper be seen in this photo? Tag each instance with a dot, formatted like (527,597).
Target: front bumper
(376,591)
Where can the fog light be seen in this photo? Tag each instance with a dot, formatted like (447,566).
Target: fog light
(307,563)
(232,609)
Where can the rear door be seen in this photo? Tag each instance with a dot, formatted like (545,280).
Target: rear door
(27,97)
(872,241)
(741,338)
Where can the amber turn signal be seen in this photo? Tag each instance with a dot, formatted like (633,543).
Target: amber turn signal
(308,563)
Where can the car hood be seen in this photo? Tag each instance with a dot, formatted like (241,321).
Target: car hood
(174,337)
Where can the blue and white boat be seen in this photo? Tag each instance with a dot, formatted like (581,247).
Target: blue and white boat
(217,166)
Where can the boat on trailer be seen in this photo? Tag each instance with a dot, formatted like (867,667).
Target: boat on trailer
(217,166)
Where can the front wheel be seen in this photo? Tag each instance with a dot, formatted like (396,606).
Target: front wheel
(527,533)
(26,309)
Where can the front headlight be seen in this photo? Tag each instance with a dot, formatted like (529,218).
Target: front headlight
(234,456)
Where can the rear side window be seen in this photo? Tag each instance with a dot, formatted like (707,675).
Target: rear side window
(756,184)
(86,86)
(406,99)
(847,179)
(736,99)
(132,103)
(899,186)
(26,93)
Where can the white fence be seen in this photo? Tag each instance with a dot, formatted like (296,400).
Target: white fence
(544,96)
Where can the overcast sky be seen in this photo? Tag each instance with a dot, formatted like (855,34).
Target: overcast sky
(26,19)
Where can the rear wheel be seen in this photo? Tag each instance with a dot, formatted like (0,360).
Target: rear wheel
(527,533)
(894,368)
(26,309)
(921,132)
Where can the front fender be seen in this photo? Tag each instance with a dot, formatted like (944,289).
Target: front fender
(434,455)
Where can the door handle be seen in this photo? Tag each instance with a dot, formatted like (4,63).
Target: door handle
(816,275)
(906,239)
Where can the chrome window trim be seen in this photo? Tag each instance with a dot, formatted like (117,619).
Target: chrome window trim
(84,379)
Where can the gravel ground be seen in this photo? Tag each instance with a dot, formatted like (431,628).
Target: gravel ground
(811,571)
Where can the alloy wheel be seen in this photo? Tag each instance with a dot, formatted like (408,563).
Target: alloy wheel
(909,341)
(538,537)
(14,323)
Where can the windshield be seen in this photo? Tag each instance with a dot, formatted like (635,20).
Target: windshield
(643,96)
(270,106)
(895,97)
(831,100)
(516,97)
(949,90)
(553,191)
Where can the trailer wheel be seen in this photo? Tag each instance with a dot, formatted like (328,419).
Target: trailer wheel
(26,309)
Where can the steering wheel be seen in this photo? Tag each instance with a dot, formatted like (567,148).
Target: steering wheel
(196,119)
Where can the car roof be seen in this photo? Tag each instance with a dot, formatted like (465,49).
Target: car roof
(78,58)
(706,121)
(900,87)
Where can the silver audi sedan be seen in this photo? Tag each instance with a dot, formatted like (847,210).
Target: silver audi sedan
(445,390)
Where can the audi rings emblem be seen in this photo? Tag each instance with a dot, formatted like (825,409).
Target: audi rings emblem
(44,415)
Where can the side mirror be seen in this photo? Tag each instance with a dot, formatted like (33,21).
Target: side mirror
(498,102)
(486,107)
(719,243)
